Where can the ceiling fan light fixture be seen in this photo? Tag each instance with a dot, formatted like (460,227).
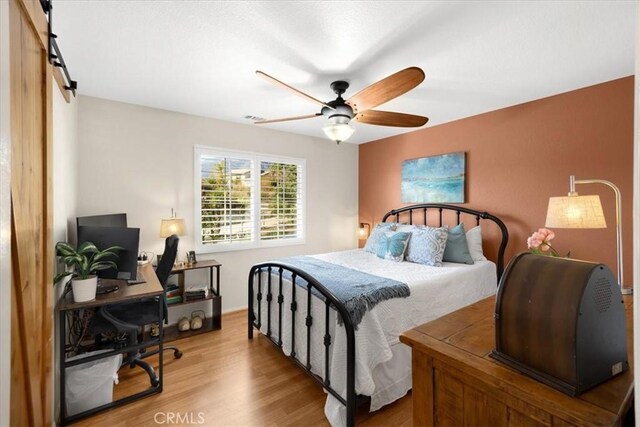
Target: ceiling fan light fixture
(338,132)
(340,112)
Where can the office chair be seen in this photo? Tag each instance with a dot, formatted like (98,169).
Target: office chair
(129,317)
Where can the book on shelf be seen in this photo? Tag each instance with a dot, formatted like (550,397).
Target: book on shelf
(196,292)
(174,300)
(174,293)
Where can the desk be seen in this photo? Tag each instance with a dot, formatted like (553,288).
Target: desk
(211,323)
(455,382)
(150,288)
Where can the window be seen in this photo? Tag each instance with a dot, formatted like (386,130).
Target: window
(247,200)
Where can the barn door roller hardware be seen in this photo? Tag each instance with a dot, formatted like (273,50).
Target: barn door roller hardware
(55,56)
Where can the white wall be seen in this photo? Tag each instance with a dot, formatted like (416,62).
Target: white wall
(139,160)
(65,165)
(5,219)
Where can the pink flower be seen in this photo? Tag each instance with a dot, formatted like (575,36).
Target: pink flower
(539,236)
(546,234)
(534,242)
(539,242)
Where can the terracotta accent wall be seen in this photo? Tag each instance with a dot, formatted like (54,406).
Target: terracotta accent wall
(517,158)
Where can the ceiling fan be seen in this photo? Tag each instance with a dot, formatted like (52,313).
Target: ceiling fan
(359,106)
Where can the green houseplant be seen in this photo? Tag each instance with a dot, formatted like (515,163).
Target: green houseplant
(85,261)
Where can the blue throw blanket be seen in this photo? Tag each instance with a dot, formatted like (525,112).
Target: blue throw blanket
(358,291)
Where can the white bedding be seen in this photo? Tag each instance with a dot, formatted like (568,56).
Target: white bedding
(383,364)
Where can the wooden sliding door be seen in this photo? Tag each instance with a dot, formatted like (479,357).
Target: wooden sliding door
(31,199)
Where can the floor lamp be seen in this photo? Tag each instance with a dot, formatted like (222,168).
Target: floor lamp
(575,211)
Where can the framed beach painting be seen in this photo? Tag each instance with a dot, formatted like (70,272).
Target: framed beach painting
(435,179)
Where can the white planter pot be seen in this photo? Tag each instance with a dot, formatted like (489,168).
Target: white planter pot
(84,289)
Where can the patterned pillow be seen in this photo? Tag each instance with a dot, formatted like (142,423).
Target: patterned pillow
(392,245)
(427,245)
(378,231)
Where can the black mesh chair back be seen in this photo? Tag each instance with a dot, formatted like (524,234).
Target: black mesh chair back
(168,258)
(163,270)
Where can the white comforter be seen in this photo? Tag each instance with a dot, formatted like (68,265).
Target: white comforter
(383,364)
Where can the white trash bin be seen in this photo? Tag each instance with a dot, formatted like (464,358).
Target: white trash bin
(90,384)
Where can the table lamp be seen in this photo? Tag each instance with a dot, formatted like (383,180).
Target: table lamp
(575,211)
(173,225)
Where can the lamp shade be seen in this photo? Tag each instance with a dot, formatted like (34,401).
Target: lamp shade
(171,226)
(363,230)
(575,212)
(338,132)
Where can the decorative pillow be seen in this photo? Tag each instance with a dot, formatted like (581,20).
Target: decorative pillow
(427,245)
(457,249)
(378,231)
(392,245)
(405,227)
(474,241)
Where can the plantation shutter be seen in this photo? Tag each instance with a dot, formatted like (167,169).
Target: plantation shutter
(247,200)
(226,200)
(280,200)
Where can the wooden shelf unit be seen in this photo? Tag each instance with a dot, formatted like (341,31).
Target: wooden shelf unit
(171,333)
(212,323)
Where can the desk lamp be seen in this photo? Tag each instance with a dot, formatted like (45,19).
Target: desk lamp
(575,211)
(172,225)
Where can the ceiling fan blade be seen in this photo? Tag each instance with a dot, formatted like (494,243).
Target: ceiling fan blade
(287,119)
(388,118)
(386,89)
(293,89)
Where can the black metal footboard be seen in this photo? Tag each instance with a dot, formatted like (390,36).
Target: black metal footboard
(267,291)
(306,283)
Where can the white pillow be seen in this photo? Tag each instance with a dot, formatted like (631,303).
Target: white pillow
(474,241)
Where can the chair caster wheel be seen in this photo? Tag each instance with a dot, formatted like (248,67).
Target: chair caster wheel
(177,354)
(155,382)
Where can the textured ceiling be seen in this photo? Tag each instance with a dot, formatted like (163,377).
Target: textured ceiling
(199,57)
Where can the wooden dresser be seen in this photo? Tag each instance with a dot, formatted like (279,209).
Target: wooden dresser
(455,382)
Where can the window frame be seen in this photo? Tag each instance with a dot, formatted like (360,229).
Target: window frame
(256,159)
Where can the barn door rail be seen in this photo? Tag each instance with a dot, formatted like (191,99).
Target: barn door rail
(55,56)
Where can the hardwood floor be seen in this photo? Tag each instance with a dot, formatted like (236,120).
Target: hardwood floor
(224,379)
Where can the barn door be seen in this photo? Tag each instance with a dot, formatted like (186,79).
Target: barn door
(31,211)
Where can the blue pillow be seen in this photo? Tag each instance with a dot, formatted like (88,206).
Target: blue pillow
(457,249)
(392,245)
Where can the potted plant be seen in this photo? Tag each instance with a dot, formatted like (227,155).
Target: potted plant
(86,260)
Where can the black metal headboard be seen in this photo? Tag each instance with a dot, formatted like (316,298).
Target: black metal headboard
(425,207)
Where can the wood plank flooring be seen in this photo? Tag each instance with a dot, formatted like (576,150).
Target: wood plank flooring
(224,379)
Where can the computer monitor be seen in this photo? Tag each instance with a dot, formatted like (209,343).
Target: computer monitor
(111,220)
(104,237)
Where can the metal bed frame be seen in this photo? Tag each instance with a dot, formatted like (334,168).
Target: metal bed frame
(311,285)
